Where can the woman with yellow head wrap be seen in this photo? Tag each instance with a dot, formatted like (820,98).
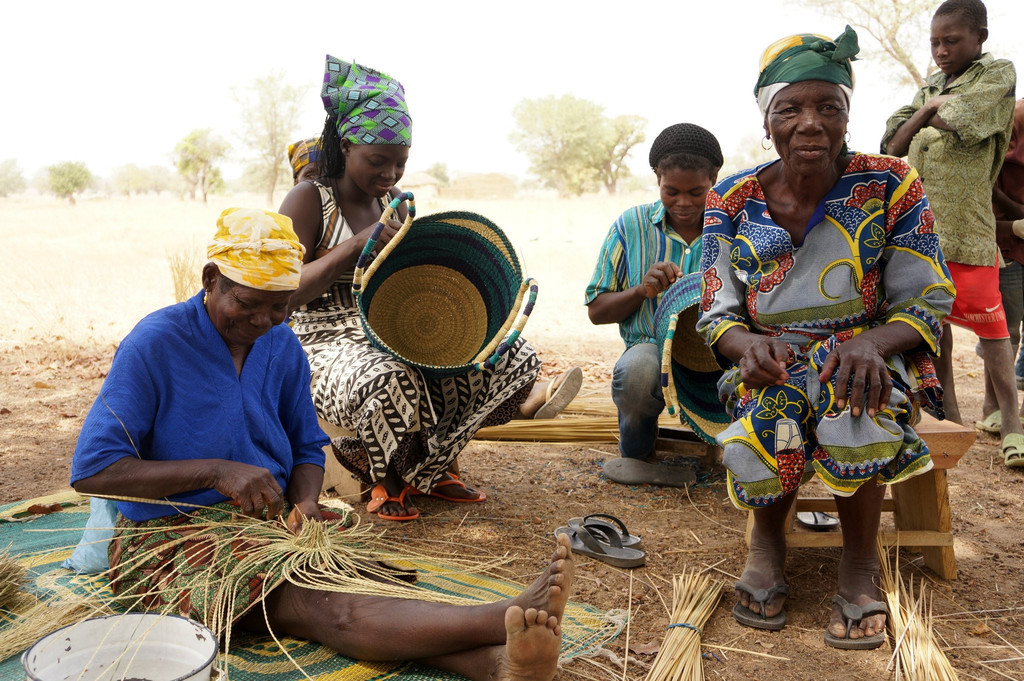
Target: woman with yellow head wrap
(207,406)
(824,293)
(403,430)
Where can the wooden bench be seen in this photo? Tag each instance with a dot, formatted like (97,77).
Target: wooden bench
(920,505)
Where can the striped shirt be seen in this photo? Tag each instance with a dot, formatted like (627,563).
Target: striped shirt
(638,239)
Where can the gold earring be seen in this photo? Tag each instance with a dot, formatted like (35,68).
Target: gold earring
(206,296)
(768,139)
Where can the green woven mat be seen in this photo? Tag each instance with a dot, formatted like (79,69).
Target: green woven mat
(42,543)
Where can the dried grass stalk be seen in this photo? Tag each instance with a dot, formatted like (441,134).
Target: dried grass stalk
(916,653)
(694,597)
(45,617)
(186,266)
(13,578)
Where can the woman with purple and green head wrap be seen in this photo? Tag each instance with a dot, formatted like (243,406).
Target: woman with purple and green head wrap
(403,431)
(823,297)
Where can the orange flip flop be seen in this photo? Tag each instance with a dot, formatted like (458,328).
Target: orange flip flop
(458,500)
(379,496)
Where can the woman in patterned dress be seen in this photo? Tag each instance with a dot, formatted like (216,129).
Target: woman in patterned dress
(824,292)
(407,430)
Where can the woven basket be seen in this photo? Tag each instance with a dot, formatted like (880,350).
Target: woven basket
(446,294)
(689,371)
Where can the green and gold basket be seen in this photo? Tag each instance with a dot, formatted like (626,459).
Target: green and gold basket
(446,294)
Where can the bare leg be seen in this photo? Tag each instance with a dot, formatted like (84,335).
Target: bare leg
(998,358)
(989,404)
(766,557)
(376,628)
(859,568)
(944,372)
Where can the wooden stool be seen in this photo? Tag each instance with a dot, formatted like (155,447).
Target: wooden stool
(920,505)
(336,476)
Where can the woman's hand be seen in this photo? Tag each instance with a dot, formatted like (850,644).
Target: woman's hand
(391,228)
(764,362)
(861,375)
(660,277)
(253,488)
(302,511)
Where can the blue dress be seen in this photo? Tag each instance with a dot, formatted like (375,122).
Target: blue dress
(173,394)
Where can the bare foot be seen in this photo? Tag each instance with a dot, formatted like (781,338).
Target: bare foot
(550,591)
(394,484)
(764,569)
(455,488)
(857,586)
(533,640)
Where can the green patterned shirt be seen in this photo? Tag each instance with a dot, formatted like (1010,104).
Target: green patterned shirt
(959,167)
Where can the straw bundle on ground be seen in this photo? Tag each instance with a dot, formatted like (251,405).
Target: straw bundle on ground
(694,597)
(42,618)
(916,653)
(12,580)
(587,419)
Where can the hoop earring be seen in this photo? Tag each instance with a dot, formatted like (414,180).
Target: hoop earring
(770,143)
(846,137)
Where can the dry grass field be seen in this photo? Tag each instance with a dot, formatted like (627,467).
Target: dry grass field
(76,279)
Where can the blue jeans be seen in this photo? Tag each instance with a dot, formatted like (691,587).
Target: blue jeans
(636,391)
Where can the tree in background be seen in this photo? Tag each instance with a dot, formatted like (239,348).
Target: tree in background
(68,178)
(570,143)
(195,159)
(270,113)
(439,171)
(11,179)
(131,179)
(621,134)
(898,26)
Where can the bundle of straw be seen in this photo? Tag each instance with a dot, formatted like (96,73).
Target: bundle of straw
(43,618)
(916,654)
(12,579)
(694,597)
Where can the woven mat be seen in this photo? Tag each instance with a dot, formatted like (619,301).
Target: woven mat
(43,542)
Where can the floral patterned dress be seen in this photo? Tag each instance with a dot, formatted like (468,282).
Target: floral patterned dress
(869,257)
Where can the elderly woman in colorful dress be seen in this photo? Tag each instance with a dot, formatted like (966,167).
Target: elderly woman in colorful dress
(824,295)
(206,411)
(405,430)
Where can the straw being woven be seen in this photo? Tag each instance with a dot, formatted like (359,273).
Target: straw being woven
(917,655)
(694,597)
(12,580)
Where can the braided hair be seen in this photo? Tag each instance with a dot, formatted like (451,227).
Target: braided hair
(687,147)
(973,12)
(332,161)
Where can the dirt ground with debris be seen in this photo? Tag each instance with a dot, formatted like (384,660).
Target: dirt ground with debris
(46,389)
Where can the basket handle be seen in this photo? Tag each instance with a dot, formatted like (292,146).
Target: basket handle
(482,361)
(667,381)
(358,275)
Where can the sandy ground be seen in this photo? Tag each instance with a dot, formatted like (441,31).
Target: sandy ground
(78,278)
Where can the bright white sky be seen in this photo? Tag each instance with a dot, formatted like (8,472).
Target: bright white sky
(111,83)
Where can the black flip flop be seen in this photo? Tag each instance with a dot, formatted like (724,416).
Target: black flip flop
(755,619)
(602,545)
(854,614)
(817,521)
(609,523)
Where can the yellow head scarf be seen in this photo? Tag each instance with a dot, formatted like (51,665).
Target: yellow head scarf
(258,249)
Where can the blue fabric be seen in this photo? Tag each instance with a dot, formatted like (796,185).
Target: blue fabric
(173,394)
(90,556)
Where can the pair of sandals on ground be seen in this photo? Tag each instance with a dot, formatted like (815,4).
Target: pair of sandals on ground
(1012,445)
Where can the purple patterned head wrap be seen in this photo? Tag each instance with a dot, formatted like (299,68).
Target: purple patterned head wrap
(369,105)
